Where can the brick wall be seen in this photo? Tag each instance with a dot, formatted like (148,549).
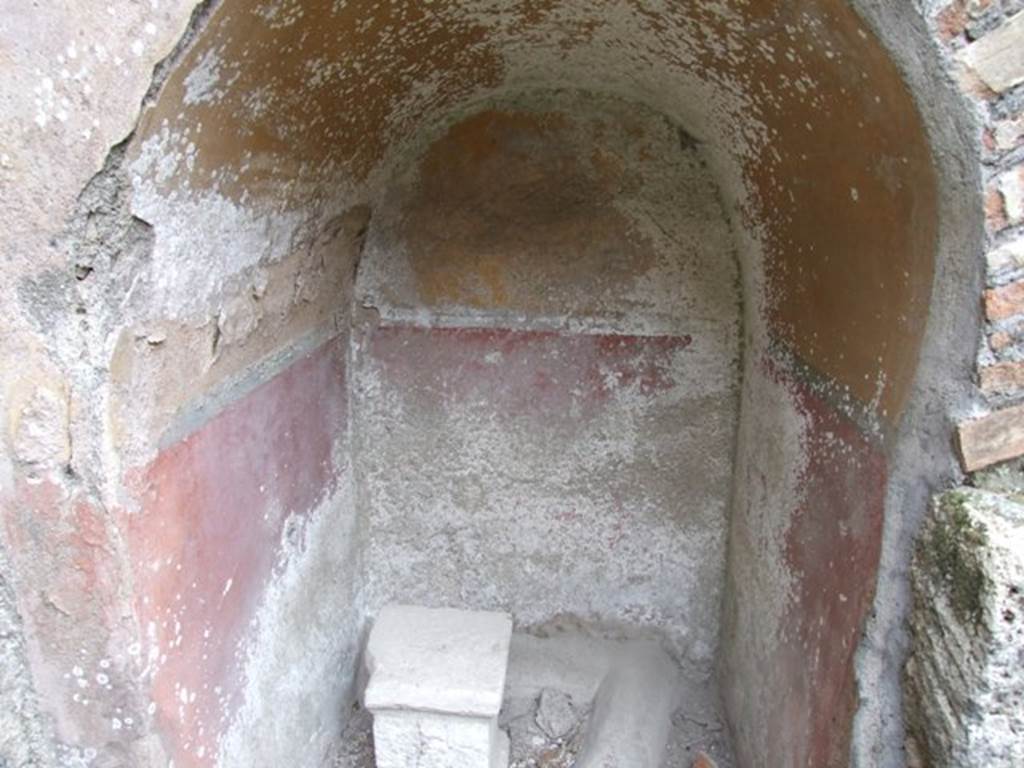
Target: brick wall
(986,40)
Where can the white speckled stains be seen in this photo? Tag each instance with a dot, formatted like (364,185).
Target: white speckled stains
(203,83)
(260,139)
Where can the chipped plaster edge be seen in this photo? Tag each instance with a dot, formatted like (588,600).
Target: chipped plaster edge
(296,642)
(922,458)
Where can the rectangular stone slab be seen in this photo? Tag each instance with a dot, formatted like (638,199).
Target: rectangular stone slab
(438,660)
(997,437)
(429,740)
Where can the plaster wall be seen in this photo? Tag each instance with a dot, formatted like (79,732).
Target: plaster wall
(546,394)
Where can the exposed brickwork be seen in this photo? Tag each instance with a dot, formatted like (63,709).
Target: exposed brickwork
(952,21)
(1004,302)
(995,56)
(1000,340)
(1002,378)
(986,39)
(991,439)
(995,209)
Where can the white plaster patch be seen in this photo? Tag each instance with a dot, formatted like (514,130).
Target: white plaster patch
(202,240)
(201,82)
(300,656)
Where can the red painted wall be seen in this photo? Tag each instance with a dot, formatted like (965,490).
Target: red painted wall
(793,696)
(833,545)
(538,372)
(69,592)
(213,508)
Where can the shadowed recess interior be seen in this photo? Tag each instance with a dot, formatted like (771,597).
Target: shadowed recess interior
(602,310)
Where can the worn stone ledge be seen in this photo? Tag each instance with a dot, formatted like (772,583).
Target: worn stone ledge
(998,57)
(988,440)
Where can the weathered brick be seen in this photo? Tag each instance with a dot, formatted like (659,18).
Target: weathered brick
(998,57)
(1000,340)
(952,20)
(995,211)
(988,140)
(988,440)
(1004,302)
(1003,378)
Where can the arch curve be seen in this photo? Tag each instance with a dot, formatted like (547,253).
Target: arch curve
(267,156)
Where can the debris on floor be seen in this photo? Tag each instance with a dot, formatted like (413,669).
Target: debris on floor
(545,732)
(556,715)
(355,749)
(700,738)
(569,694)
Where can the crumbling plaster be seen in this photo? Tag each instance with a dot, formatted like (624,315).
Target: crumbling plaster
(74,81)
(944,392)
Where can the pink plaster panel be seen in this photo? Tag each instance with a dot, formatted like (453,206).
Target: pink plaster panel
(67,583)
(832,547)
(205,541)
(528,371)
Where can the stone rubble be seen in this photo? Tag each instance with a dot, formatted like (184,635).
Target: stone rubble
(964,690)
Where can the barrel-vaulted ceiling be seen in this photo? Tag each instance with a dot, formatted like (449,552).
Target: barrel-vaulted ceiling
(288,104)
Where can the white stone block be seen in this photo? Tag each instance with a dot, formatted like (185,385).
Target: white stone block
(1006,260)
(998,57)
(407,739)
(1011,185)
(437,678)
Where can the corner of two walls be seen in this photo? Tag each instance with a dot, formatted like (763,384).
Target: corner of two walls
(806,528)
(230,410)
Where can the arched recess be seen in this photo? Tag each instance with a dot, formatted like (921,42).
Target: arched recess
(546,370)
(260,163)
